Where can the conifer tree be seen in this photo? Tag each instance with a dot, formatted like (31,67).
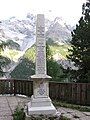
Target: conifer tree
(80,52)
(4,61)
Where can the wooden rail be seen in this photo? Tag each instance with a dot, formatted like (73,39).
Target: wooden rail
(11,86)
(78,93)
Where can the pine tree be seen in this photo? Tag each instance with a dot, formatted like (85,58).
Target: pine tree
(80,52)
(55,70)
(4,61)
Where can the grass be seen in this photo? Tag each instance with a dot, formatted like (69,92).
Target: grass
(62,50)
(30,54)
(72,106)
(12,54)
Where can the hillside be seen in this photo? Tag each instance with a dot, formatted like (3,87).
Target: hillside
(22,31)
(26,66)
(61,50)
(59,31)
(23,34)
(59,53)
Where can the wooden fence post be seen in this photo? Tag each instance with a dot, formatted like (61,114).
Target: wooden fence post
(14,87)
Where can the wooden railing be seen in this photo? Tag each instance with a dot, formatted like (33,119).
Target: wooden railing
(78,93)
(11,86)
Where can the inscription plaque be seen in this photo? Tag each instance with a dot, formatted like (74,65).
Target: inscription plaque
(40,32)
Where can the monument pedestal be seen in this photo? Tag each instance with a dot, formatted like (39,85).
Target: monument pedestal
(40,102)
(39,106)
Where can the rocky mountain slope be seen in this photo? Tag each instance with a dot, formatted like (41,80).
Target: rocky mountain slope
(59,31)
(22,32)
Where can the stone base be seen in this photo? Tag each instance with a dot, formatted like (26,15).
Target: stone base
(41,110)
(56,116)
(42,106)
(40,76)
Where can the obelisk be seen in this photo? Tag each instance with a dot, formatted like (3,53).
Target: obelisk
(40,102)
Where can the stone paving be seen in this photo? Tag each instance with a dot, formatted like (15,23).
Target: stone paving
(9,103)
(74,114)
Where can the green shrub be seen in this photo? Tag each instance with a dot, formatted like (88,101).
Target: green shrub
(19,114)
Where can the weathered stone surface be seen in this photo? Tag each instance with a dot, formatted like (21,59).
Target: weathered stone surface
(62,110)
(44,117)
(6,113)
(85,118)
(67,115)
(74,119)
(87,113)
(68,110)
(40,105)
(6,118)
(77,114)
(40,45)
(40,89)
(40,102)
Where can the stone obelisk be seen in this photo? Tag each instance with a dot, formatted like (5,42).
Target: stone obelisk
(40,102)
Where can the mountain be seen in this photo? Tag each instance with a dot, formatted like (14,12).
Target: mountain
(22,31)
(59,31)
(26,66)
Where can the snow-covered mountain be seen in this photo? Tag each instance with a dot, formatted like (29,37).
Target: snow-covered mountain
(22,31)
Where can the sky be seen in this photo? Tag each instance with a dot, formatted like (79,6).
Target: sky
(69,10)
